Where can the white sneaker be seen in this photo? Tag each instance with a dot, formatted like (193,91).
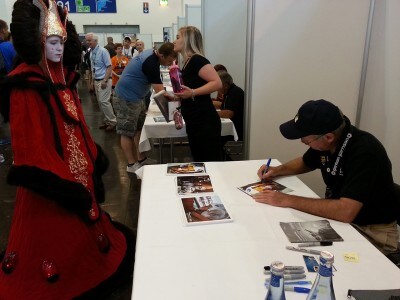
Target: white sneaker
(148,161)
(132,169)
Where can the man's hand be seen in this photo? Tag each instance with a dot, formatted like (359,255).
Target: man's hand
(272,197)
(103,84)
(271,173)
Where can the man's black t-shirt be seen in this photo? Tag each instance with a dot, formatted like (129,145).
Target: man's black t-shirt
(360,170)
(234,101)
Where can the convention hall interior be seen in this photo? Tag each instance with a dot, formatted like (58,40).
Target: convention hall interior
(281,53)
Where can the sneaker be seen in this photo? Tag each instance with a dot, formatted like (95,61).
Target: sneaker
(134,168)
(148,161)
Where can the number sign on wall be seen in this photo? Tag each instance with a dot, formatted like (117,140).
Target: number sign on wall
(89,6)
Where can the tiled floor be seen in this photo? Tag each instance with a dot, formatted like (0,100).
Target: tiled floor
(122,190)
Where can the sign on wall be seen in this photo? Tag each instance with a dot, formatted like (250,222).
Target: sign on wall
(89,6)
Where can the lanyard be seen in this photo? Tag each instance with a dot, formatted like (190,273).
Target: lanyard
(340,154)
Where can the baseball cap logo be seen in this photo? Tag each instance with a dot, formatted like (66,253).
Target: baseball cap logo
(296,118)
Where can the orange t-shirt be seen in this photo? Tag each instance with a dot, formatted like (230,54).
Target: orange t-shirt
(118,65)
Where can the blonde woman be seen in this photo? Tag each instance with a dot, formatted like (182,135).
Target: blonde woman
(203,124)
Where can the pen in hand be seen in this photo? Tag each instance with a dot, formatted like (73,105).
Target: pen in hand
(265,170)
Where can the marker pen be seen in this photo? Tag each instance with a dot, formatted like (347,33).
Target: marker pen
(293,282)
(288,271)
(298,282)
(268,268)
(294,276)
(266,168)
(309,251)
(290,288)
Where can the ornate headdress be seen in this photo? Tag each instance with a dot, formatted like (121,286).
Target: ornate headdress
(50,25)
(50,22)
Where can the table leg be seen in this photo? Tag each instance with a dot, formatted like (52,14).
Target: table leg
(171,150)
(160,149)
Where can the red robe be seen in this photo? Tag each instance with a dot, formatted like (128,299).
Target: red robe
(57,217)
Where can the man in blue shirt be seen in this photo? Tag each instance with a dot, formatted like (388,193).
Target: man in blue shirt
(7,52)
(142,72)
(101,74)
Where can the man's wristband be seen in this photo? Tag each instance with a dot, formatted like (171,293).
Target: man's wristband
(193,94)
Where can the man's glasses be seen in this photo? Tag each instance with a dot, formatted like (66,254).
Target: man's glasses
(313,140)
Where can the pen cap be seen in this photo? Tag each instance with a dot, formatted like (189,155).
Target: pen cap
(326,261)
(277,268)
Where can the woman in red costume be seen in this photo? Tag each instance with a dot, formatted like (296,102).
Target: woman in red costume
(61,244)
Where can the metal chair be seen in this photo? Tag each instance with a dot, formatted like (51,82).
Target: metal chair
(233,150)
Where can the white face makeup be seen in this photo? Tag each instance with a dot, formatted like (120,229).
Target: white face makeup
(54,48)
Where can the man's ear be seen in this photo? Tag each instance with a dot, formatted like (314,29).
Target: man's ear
(330,137)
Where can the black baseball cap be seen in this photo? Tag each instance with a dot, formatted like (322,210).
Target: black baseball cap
(314,117)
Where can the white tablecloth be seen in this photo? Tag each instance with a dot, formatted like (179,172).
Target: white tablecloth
(225,261)
(152,129)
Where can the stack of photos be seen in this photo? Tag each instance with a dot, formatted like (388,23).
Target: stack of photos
(199,203)
(159,119)
(186,168)
(311,231)
(257,187)
(194,185)
(204,210)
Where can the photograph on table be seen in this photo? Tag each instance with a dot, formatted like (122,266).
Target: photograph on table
(204,210)
(159,119)
(310,231)
(187,185)
(162,103)
(258,187)
(186,168)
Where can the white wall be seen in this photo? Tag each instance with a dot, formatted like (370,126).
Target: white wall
(131,13)
(181,21)
(224,33)
(301,50)
(5,11)
(193,15)
(381,105)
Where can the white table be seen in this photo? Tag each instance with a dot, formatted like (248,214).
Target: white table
(225,261)
(162,130)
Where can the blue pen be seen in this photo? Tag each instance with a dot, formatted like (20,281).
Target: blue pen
(266,168)
(290,288)
(304,282)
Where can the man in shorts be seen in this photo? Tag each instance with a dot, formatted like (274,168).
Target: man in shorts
(142,72)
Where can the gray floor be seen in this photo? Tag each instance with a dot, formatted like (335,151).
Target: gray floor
(122,190)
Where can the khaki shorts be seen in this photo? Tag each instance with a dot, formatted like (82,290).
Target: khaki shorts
(130,116)
(384,236)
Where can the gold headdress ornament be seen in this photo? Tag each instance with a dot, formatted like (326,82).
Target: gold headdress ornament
(50,22)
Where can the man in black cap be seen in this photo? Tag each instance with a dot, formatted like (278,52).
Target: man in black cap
(355,168)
